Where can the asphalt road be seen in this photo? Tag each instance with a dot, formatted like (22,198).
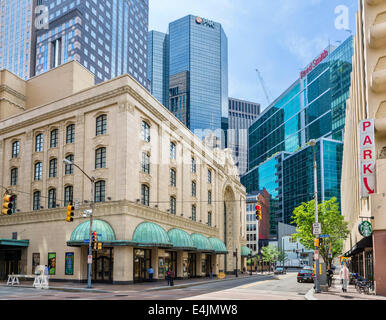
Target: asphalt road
(265,287)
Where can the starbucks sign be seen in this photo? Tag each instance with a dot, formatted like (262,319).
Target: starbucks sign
(365,229)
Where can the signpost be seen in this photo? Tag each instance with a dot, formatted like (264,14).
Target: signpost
(317,229)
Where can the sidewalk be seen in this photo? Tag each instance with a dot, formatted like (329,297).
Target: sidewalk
(139,287)
(336,293)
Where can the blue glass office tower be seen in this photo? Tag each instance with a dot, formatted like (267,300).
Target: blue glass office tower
(16,36)
(158,66)
(198,73)
(108,37)
(313,107)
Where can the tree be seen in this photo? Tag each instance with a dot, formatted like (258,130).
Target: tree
(332,222)
(270,254)
(282,257)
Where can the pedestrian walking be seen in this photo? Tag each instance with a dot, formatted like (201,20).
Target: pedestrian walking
(150,271)
(171,277)
(330,275)
(344,276)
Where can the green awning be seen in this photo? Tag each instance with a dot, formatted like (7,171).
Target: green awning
(149,234)
(103,229)
(181,239)
(245,251)
(202,243)
(218,246)
(14,243)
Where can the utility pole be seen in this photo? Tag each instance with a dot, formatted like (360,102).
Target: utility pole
(317,283)
(92,180)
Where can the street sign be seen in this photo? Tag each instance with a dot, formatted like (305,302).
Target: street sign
(77,204)
(86,241)
(221,275)
(317,229)
(316,255)
(324,236)
(365,229)
(89,259)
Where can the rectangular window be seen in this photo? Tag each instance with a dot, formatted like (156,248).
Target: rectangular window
(52,263)
(209,219)
(69,264)
(100,158)
(209,197)
(39,143)
(14,173)
(145,195)
(38,171)
(70,133)
(52,199)
(194,191)
(36,201)
(53,168)
(193,165)
(173,205)
(15,149)
(173,178)
(194,214)
(100,191)
(145,163)
(54,138)
(172,151)
(68,195)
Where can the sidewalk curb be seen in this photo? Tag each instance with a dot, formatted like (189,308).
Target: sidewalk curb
(310,295)
(69,289)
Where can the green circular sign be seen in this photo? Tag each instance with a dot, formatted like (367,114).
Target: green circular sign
(365,229)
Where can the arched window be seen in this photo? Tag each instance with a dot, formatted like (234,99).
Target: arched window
(70,133)
(38,172)
(100,158)
(15,149)
(52,198)
(100,191)
(53,168)
(14,174)
(101,125)
(54,137)
(145,131)
(68,195)
(36,201)
(69,169)
(145,190)
(39,143)
(145,165)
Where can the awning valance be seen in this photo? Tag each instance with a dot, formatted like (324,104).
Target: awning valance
(14,243)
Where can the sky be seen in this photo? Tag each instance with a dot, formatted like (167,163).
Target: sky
(278,37)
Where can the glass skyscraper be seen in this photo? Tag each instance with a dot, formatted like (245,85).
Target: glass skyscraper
(312,108)
(16,36)
(158,66)
(108,37)
(198,73)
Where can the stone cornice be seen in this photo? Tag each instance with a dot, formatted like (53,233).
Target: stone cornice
(13,103)
(5,88)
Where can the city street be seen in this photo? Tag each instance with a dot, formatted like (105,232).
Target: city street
(260,287)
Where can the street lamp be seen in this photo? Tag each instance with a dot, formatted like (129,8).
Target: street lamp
(312,143)
(92,180)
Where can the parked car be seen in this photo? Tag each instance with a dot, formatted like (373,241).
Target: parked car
(305,275)
(280,270)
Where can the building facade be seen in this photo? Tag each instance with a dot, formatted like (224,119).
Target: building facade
(363,177)
(161,198)
(108,37)
(17,36)
(241,115)
(198,73)
(311,108)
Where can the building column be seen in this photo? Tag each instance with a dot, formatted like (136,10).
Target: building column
(215,265)
(199,272)
(154,262)
(180,265)
(123,265)
(379,245)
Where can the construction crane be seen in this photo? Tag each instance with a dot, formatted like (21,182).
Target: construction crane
(268,96)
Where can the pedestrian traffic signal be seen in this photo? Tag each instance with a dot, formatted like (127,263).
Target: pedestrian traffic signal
(99,245)
(316,243)
(7,205)
(70,213)
(259,215)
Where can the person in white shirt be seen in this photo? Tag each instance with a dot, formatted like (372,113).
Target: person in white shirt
(344,275)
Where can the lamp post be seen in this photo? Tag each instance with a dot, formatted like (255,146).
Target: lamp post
(317,283)
(92,180)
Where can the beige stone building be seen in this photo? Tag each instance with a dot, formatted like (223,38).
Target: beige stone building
(367,101)
(162,198)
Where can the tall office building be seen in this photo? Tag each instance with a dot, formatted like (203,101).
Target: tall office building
(198,73)
(313,107)
(158,66)
(241,115)
(108,37)
(16,36)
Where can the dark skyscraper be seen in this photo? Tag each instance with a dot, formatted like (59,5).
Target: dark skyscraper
(108,37)
(198,73)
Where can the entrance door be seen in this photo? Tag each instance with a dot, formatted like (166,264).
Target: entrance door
(208,264)
(103,266)
(192,265)
(10,263)
(142,262)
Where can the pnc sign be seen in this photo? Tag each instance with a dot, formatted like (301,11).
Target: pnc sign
(367,157)
(205,22)
(314,64)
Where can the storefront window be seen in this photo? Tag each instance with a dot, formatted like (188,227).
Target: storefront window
(35,261)
(52,263)
(69,264)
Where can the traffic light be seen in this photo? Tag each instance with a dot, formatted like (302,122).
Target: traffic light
(99,245)
(70,213)
(7,205)
(321,242)
(316,243)
(259,215)
(94,237)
